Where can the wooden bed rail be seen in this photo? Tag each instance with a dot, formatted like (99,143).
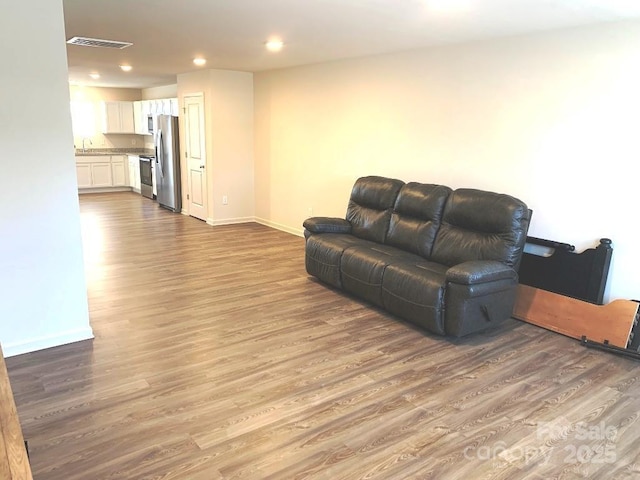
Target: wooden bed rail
(611,323)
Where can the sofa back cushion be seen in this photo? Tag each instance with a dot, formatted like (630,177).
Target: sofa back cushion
(416,217)
(370,206)
(479,225)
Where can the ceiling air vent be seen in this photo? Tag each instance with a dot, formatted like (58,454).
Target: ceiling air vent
(96,42)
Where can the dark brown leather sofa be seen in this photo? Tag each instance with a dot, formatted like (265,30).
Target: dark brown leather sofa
(446,260)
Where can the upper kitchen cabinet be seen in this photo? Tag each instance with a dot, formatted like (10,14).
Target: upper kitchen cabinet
(144,109)
(117,117)
(165,106)
(156,107)
(141,112)
(137,118)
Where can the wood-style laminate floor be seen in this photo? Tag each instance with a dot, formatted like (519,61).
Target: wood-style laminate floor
(216,357)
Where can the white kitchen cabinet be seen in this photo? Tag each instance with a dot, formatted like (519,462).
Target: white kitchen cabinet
(166,106)
(131,174)
(94,174)
(102,171)
(111,117)
(134,172)
(146,108)
(161,106)
(139,120)
(119,172)
(101,175)
(156,107)
(83,172)
(117,117)
(175,109)
(141,112)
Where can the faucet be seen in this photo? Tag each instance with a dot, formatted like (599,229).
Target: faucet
(84,149)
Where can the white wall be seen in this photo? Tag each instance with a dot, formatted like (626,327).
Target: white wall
(229,123)
(43,298)
(551,118)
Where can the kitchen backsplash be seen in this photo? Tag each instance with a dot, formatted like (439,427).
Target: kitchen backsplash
(110,141)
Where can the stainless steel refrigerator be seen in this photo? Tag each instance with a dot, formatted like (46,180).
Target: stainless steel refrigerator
(168,163)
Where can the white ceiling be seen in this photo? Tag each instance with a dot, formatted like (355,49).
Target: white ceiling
(230,34)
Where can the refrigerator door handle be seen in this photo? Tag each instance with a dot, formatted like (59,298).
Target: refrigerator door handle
(160,152)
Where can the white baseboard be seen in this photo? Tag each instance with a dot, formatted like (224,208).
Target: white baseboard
(229,221)
(284,228)
(299,232)
(82,191)
(40,343)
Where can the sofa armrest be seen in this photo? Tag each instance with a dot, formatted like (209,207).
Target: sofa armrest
(480,271)
(327,225)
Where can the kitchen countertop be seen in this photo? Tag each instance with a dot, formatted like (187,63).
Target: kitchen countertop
(114,151)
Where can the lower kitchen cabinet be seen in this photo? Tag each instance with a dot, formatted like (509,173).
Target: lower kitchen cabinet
(83,172)
(119,172)
(134,172)
(101,175)
(102,171)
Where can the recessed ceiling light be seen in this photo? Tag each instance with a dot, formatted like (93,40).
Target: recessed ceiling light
(199,61)
(94,75)
(126,68)
(274,45)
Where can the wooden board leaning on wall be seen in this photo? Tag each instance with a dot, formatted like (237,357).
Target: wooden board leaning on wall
(14,463)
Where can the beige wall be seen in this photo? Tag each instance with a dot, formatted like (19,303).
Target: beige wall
(551,118)
(100,94)
(165,91)
(43,292)
(229,123)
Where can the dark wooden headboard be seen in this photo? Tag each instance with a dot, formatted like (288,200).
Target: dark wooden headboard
(578,275)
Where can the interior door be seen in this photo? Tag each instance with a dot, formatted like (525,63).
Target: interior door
(195,155)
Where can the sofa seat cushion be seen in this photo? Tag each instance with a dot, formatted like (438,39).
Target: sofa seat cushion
(362,268)
(414,290)
(323,253)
